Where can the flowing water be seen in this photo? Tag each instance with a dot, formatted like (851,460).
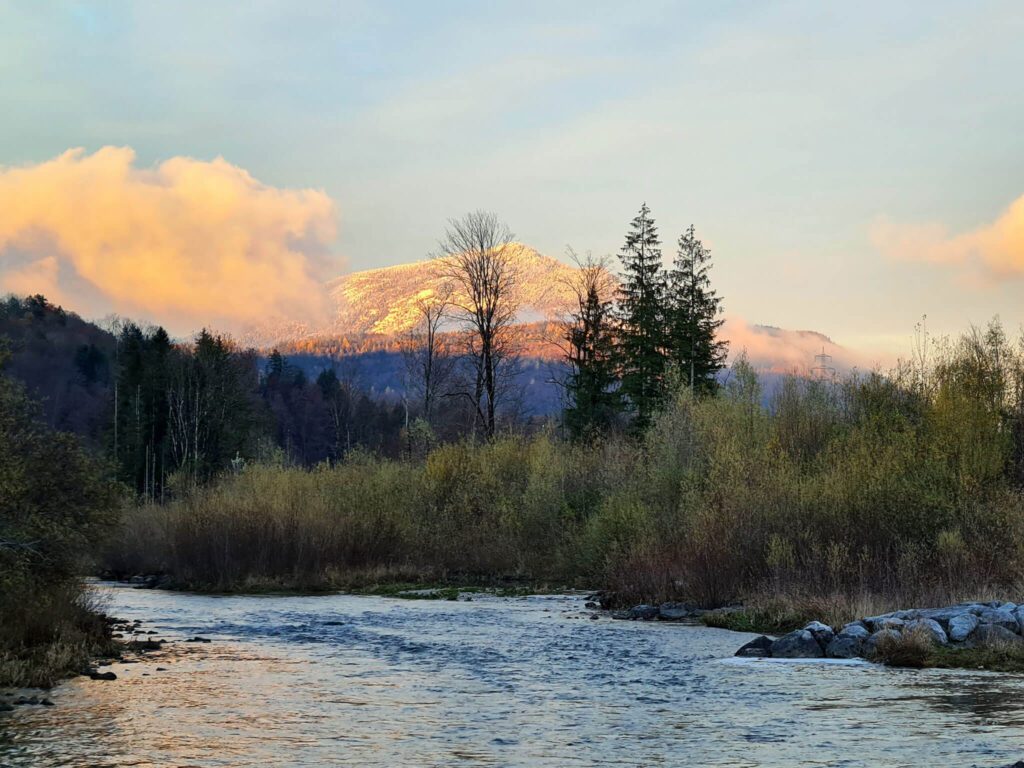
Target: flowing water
(341,680)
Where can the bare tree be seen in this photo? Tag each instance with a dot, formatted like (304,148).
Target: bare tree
(479,258)
(429,361)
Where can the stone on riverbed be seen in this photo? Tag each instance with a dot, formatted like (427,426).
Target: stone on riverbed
(758,647)
(849,643)
(960,627)
(993,634)
(931,627)
(999,617)
(821,632)
(797,645)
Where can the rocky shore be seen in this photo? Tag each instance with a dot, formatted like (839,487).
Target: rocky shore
(963,626)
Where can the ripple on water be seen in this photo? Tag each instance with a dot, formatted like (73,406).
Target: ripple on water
(339,680)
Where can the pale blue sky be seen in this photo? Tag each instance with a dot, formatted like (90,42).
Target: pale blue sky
(784,131)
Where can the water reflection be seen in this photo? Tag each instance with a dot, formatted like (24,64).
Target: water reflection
(326,681)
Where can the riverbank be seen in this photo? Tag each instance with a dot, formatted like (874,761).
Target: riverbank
(969,635)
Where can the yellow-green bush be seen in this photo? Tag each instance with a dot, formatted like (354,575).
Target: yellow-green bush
(904,484)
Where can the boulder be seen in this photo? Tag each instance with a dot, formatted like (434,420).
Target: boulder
(999,617)
(1018,614)
(945,615)
(797,645)
(855,629)
(993,634)
(931,627)
(758,647)
(845,647)
(103,676)
(885,621)
(849,643)
(871,644)
(675,611)
(961,626)
(644,612)
(821,632)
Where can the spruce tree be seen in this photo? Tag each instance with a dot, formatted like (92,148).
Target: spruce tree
(641,333)
(694,316)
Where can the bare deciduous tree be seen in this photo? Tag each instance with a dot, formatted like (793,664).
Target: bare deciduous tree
(479,258)
(429,361)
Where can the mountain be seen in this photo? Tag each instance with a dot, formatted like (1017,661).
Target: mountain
(384,301)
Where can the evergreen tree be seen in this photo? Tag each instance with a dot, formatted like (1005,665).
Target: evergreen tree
(642,337)
(694,311)
(592,386)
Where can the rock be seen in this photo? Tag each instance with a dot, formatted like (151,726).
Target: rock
(622,615)
(931,627)
(758,647)
(594,617)
(945,615)
(643,612)
(46,703)
(676,611)
(999,617)
(961,626)
(871,644)
(797,645)
(845,647)
(855,629)
(161,669)
(821,632)
(103,676)
(993,634)
(885,621)
(5,707)
(589,604)
(1018,614)
(198,639)
(849,643)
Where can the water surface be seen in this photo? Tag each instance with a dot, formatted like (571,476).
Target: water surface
(342,680)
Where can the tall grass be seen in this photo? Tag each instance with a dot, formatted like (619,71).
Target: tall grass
(861,492)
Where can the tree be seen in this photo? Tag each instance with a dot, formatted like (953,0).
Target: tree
(592,385)
(210,404)
(427,354)
(477,255)
(694,316)
(642,338)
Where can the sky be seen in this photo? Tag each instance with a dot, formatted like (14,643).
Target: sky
(852,168)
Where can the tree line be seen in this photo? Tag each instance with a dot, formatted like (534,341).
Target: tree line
(621,341)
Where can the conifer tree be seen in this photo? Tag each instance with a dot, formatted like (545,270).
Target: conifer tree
(694,316)
(592,385)
(642,337)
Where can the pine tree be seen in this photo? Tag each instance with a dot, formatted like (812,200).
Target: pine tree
(694,310)
(592,386)
(641,319)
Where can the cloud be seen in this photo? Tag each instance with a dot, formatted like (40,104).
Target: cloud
(187,243)
(989,252)
(785,351)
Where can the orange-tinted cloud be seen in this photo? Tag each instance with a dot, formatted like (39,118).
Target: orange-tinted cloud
(992,251)
(782,350)
(187,243)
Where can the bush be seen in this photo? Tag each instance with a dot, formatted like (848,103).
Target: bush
(55,508)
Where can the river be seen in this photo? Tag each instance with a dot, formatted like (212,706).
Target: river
(364,681)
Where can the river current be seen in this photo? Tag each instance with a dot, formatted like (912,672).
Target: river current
(364,681)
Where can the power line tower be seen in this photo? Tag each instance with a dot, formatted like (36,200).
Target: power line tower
(823,370)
